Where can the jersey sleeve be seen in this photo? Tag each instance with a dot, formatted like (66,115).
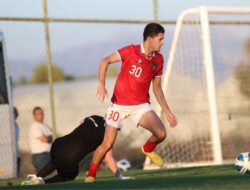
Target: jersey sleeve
(160,68)
(124,52)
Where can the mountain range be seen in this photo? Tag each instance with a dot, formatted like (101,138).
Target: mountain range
(83,61)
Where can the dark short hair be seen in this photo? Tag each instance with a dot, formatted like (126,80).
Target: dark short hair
(152,29)
(36,108)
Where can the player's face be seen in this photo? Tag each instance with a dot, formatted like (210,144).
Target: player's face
(39,116)
(157,42)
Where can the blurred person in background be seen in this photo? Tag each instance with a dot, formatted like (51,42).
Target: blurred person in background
(18,160)
(40,139)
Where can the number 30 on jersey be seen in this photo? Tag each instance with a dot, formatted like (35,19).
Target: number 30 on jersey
(136,71)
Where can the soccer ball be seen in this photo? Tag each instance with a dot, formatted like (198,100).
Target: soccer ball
(242,163)
(123,164)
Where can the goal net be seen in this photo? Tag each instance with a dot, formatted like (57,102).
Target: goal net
(207,85)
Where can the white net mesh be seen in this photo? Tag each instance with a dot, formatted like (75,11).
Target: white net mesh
(187,95)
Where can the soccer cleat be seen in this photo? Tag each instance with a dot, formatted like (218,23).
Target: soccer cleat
(155,158)
(119,175)
(41,181)
(89,179)
(33,180)
(125,177)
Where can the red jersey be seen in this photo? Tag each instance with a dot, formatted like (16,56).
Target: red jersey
(137,71)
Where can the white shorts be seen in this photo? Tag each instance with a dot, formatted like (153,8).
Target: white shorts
(117,113)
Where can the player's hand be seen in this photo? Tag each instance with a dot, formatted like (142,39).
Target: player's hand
(171,119)
(101,92)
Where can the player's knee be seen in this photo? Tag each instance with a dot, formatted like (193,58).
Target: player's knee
(162,135)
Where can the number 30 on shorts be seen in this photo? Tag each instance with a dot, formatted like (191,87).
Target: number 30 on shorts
(114,115)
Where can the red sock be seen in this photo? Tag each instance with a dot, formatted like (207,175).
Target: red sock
(93,169)
(149,147)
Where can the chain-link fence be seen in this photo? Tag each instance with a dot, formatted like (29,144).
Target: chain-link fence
(66,100)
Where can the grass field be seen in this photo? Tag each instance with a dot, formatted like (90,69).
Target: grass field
(213,177)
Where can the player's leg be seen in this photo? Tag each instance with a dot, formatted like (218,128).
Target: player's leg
(64,174)
(46,170)
(110,161)
(147,118)
(108,141)
(152,122)
(57,178)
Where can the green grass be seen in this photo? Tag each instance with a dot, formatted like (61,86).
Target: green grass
(214,177)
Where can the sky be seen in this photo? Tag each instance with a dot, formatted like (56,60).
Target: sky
(138,9)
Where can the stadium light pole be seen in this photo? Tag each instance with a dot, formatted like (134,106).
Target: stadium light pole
(49,64)
(155,10)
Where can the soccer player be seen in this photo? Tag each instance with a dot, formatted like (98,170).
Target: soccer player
(67,151)
(141,65)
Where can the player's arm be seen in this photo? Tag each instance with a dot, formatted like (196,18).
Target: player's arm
(162,101)
(38,134)
(102,92)
(45,138)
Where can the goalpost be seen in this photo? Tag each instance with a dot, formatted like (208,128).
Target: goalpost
(196,80)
